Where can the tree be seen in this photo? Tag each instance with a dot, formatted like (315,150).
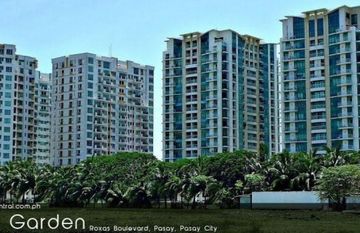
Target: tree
(334,157)
(174,188)
(281,172)
(159,176)
(140,180)
(337,183)
(254,182)
(308,167)
(228,168)
(263,152)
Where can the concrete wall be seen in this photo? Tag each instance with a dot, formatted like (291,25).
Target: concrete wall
(287,200)
(353,202)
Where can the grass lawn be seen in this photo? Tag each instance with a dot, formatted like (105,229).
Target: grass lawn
(226,221)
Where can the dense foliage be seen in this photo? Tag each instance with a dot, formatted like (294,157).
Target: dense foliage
(336,183)
(141,181)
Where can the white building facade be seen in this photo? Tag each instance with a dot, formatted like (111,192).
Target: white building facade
(17,105)
(42,118)
(320,63)
(100,106)
(219,94)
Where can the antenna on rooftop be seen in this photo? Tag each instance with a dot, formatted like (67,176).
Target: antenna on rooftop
(110,50)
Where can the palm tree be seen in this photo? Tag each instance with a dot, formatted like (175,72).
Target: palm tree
(334,157)
(281,171)
(308,167)
(158,178)
(174,188)
(199,185)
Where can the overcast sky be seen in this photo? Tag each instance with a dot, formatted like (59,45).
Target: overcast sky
(136,29)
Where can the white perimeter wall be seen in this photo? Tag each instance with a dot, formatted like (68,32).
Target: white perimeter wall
(286,198)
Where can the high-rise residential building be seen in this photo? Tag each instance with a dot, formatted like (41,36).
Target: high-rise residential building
(17,105)
(100,105)
(320,64)
(219,94)
(42,118)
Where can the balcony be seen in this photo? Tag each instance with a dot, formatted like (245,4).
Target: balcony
(289,89)
(347,147)
(318,141)
(345,50)
(344,136)
(290,130)
(288,68)
(345,82)
(318,108)
(343,61)
(345,104)
(344,93)
(318,127)
(344,114)
(346,126)
(290,110)
(317,87)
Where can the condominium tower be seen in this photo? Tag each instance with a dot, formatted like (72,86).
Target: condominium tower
(42,118)
(18,107)
(100,105)
(320,64)
(219,94)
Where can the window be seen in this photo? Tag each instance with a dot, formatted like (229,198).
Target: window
(333,21)
(298,24)
(106,65)
(320,27)
(311,28)
(9,51)
(354,19)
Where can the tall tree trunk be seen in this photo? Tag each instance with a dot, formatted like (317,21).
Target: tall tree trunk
(343,203)
(204,199)
(194,201)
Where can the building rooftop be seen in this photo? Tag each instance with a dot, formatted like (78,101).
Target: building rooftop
(316,11)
